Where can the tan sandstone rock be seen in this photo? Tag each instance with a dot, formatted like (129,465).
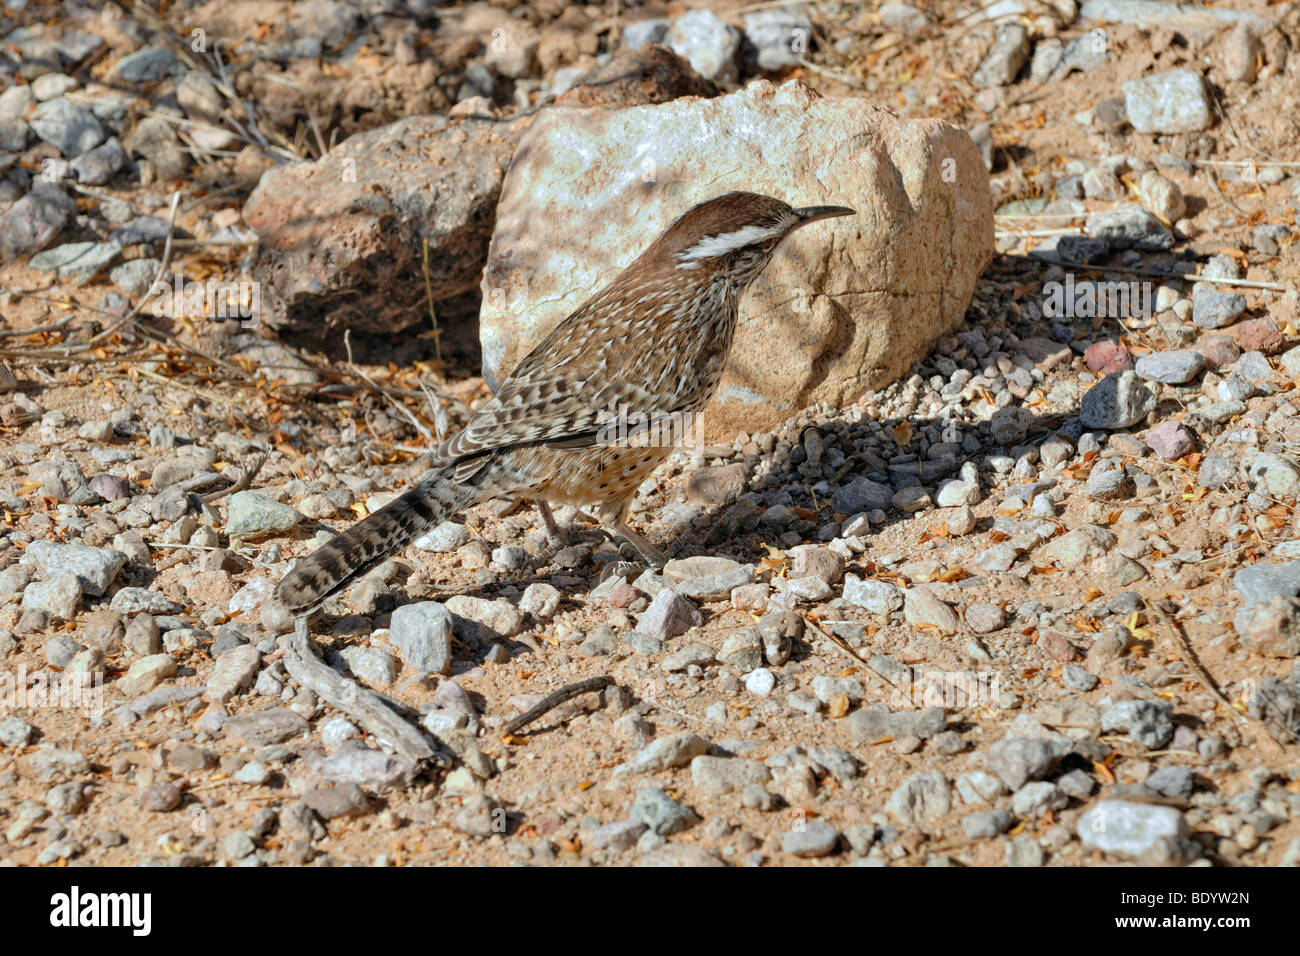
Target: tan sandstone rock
(843,307)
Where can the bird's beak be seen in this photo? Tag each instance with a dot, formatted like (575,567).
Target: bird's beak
(813,213)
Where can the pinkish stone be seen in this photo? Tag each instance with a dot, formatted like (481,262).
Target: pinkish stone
(1170,440)
(1219,350)
(1056,646)
(1260,335)
(110,487)
(623,595)
(1106,356)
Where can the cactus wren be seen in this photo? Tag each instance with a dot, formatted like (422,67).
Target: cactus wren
(654,341)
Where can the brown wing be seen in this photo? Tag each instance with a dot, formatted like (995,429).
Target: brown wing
(562,393)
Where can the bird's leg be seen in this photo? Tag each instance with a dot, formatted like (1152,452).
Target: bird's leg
(653,557)
(556,535)
(613,518)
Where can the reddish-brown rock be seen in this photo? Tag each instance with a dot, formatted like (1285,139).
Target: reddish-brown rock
(1056,646)
(1260,335)
(342,238)
(1106,356)
(1219,350)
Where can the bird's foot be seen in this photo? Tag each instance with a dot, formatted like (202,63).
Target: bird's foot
(652,556)
(627,570)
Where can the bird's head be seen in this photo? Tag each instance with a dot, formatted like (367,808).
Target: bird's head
(733,235)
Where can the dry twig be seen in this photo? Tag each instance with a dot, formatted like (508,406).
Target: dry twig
(555,699)
(1189,657)
(388,727)
(242,483)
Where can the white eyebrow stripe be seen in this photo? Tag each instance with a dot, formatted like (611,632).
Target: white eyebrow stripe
(720,245)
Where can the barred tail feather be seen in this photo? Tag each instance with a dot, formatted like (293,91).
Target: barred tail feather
(346,557)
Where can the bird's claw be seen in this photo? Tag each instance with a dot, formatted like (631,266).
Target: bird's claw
(627,570)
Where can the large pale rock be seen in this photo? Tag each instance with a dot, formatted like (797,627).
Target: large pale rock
(843,308)
(343,238)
